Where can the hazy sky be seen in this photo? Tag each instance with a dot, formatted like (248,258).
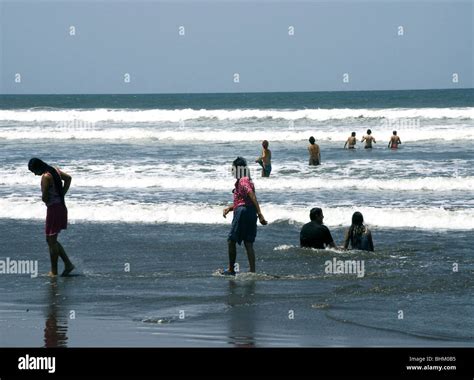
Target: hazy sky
(223,38)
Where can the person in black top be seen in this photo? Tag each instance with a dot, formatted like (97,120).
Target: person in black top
(358,235)
(315,234)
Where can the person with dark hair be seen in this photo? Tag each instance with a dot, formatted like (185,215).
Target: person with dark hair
(314,152)
(351,141)
(315,234)
(246,210)
(369,139)
(265,160)
(394,141)
(358,235)
(53,193)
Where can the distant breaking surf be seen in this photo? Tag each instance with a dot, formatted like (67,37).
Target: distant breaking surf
(177,115)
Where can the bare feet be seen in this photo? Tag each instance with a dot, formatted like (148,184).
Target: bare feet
(51,274)
(67,270)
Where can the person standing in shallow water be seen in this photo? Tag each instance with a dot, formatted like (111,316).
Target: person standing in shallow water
(358,235)
(369,139)
(314,152)
(53,193)
(394,141)
(351,141)
(265,160)
(246,211)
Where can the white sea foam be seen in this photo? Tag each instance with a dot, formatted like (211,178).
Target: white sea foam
(225,134)
(222,181)
(167,115)
(284,247)
(424,218)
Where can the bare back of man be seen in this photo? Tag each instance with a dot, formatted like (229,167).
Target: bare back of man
(314,154)
(394,142)
(368,141)
(351,142)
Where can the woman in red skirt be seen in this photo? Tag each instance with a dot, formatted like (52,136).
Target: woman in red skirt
(53,192)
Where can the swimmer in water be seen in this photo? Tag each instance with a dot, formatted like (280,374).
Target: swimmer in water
(358,235)
(314,152)
(265,160)
(369,139)
(394,141)
(351,141)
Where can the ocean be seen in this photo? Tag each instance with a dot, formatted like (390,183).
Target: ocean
(151,176)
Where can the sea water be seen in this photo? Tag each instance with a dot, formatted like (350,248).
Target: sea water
(152,174)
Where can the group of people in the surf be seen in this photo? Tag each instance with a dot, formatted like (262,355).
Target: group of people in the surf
(313,234)
(246,210)
(265,159)
(351,142)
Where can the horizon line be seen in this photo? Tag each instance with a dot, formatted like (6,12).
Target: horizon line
(237,93)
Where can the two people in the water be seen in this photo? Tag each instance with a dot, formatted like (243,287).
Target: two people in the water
(316,235)
(352,140)
(265,159)
(53,191)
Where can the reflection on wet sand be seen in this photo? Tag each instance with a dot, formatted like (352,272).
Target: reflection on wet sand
(242,314)
(55,331)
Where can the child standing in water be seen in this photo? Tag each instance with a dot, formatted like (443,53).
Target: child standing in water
(246,210)
(53,192)
(265,160)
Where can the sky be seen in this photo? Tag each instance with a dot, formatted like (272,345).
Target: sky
(78,47)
